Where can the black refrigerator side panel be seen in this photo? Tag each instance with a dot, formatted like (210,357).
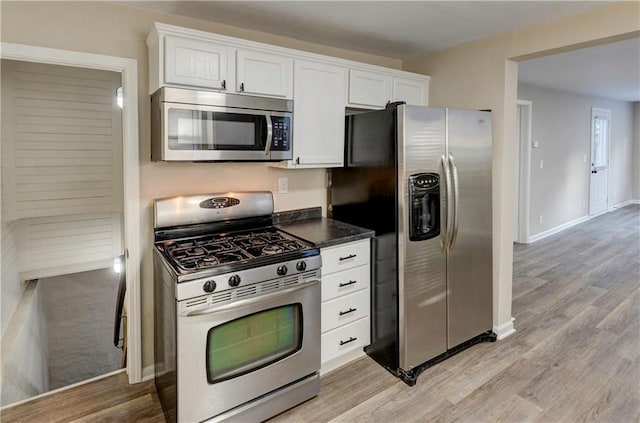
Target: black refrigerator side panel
(363,193)
(384,346)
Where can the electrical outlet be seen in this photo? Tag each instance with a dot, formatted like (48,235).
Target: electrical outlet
(541,164)
(536,144)
(283,185)
(539,218)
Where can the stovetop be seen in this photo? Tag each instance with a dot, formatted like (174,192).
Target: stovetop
(232,250)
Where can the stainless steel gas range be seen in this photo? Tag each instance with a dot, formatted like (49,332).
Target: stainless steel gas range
(237,310)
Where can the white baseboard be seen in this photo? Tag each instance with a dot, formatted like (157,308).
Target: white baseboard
(340,361)
(559,228)
(148,372)
(505,329)
(624,204)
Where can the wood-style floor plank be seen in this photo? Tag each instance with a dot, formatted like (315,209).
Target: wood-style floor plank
(575,355)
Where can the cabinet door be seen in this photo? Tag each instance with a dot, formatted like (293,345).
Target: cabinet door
(195,63)
(319,100)
(411,91)
(369,88)
(264,74)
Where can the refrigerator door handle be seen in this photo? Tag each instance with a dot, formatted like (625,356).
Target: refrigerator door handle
(456,200)
(448,217)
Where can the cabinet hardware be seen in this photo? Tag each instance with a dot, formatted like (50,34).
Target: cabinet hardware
(343,284)
(297,160)
(350,256)
(351,339)
(351,310)
(242,87)
(224,84)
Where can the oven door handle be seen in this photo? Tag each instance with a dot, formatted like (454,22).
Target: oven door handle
(247,302)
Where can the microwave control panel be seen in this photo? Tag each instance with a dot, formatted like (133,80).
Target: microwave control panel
(281,137)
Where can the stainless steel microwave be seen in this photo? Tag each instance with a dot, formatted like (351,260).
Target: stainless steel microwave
(194,126)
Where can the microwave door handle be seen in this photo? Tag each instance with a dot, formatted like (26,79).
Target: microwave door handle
(267,148)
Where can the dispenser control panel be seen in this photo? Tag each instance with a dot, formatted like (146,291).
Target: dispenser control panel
(424,210)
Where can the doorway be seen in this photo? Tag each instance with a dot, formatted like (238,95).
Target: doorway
(599,178)
(62,191)
(128,68)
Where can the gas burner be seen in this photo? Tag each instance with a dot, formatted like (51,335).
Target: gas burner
(218,248)
(272,249)
(188,252)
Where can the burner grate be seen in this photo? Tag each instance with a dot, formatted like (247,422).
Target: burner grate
(214,250)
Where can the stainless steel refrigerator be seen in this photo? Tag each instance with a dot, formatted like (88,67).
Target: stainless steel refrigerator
(421,178)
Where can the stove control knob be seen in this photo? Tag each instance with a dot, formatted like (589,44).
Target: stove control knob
(301,266)
(234,280)
(209,286)
(282,270)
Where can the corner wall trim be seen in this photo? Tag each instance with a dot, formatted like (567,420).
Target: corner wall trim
(148,373)
(505,329)
(558,228)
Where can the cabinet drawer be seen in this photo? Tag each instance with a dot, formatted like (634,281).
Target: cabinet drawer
(345,256)
(345,282)
(344,339)
(346,309)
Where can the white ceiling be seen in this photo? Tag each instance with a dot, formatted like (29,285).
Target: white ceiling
(405,29)
(609,70)
(396,29)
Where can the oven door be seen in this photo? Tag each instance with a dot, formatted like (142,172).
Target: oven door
(232,353)
(210,133)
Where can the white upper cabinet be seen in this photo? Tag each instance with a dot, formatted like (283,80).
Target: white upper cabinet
(376,89)
(196,63)
(264,74)
(371,89)
(321,86)
(411,91)
(319,100)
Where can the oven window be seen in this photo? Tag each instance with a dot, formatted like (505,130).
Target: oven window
(254,341)
(205,130)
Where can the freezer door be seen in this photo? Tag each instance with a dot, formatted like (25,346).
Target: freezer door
(469,272)
(421,262)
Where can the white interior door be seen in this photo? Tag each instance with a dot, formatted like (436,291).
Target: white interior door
(600,134)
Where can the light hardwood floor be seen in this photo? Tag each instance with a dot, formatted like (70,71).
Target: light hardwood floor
(575,356)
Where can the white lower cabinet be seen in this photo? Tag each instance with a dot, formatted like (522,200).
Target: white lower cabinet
(346,302)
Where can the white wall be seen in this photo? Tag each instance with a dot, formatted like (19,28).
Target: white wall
(483,74)
(636,152)
(10,288)
(562,127)
(116,30)
(23,362)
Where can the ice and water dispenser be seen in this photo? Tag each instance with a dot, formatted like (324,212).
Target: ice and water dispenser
(424,211)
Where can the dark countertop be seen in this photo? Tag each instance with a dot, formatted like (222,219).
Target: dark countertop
(324,232)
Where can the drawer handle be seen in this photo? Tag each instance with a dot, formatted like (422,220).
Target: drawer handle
(223,85)
(350,256)
(351,339)
(351,310)
(343,284)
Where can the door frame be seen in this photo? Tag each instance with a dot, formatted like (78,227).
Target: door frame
(128,68)
(594,111)
(524,178)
